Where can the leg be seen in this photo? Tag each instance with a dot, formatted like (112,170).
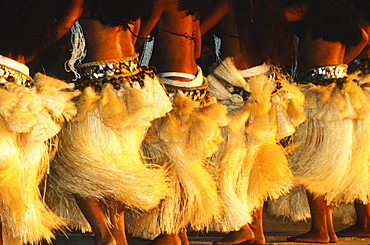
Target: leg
(94,214)
(166,239)
(319,230)
(235,237)
(362,226)
(1,233)
(118,228)
(184,237)
(329,211)
(257,227)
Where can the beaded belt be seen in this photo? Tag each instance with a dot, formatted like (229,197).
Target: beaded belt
(360,64)
(199,94)
(120,73)
(325,75)
(13,76)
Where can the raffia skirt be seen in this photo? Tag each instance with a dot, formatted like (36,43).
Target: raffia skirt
(331,157)
(182,142)
(251,165)
(99,151)
(30,118)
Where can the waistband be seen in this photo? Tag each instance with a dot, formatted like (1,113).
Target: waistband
(255,70)
(197,80)
(15,72)
(98,70)
(9,75)
(196,93)
(324,75)
(119,72)
(13,64)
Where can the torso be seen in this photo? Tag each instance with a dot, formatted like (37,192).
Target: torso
(231,47)
(172,52)
(318,52)
(106,42)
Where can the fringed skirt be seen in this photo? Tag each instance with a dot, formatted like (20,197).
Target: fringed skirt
(29,120)
(331,155)
(99,150)
(181,142)
(251,166)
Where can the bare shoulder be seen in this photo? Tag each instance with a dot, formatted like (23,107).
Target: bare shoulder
(220,9)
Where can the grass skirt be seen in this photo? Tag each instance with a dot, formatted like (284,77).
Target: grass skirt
(99,153)
(181,142)
(29,118)
(250,164)
(331,157)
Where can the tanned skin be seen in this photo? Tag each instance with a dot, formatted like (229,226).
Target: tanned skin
(231,47)
(362,226)
(106,42)
(222,13)
(313,53)
(59,29)
(173,53)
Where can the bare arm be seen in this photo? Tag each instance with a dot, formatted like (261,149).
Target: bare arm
(62,26)
(353,51)
(295,12)
(198,43)
(219,11)
(148,25)
(135,28)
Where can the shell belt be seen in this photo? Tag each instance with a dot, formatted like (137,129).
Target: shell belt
(8,75)
(325,75)
(120,73)
(199,94)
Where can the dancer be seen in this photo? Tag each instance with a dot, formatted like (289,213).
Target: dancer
(31,111)
(360,68)
(98,170)
(264,108)
(182,141)
(329,144)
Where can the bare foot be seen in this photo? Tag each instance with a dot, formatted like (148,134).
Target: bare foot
(166,239)
(256,240)
(333,237)
(184,237)
(354,231)
(236,237)
(315,237)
